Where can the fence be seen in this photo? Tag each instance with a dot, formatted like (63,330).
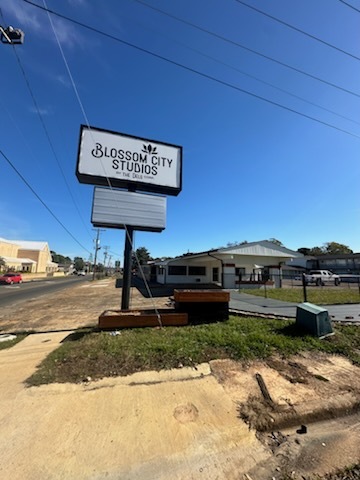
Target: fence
(296,282)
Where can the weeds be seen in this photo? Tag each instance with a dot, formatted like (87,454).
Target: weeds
(99,354)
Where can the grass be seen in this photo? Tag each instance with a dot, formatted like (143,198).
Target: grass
(11,343)
(99,354)
(317,295)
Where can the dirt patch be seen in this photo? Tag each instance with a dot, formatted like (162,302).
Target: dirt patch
(72,308)
(325,448)
(304,388)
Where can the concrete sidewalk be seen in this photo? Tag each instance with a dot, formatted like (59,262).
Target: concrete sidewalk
(267,306)
(180,424)
(177,424)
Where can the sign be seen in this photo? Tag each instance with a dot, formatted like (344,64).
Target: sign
(128,162)
(117,208)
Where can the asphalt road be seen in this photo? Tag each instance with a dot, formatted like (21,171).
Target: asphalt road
(17,293)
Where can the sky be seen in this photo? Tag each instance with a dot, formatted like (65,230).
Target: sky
(268,152)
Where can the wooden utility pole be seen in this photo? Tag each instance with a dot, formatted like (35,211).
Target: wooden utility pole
(97,247)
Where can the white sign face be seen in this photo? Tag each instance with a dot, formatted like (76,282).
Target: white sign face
(128,162)
(116,208)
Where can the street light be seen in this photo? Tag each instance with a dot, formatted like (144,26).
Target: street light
(11,35)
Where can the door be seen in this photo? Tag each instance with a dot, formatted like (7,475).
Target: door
(215,274)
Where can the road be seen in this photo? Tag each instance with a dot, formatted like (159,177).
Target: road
(10,294)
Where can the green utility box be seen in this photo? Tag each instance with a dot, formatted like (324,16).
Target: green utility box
(314,319)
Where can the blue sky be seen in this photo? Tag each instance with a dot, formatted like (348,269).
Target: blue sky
(251,170)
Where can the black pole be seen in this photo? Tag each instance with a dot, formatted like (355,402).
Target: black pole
(125,299)
(304,287)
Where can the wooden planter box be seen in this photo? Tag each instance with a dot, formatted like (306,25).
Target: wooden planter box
(111,319)
(201,296)
(203,305)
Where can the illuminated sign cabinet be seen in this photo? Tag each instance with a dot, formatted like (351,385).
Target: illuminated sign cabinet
(128,162)
(117,208)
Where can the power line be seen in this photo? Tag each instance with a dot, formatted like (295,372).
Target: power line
(349,5)
(42,201)
(297,29)
(192,70)
(142,25)
(48,136)
(237,44)
(66,65)
(129,231)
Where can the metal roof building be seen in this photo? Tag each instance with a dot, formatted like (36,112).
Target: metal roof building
(252,262)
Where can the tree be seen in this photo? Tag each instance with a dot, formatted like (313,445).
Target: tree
(140,255)
(276,242)
(58,258)
(334,248)
(316,251)
(304,250)
(329,248)
(79,263)
(235,244)
(2,264)
(100,268)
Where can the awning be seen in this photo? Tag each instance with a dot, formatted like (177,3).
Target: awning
(17,260)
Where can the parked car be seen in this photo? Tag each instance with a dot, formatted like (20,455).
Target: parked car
(320,277)
(81,273)
(11,277)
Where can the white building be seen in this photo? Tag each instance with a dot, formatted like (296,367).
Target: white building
(249,263)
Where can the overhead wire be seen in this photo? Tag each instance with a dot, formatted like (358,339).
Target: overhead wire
(37,109)
(192,70)
(350,6)
(264,82)
(145,282)
(244,47)
(52,149)
(107,178)
(296,29)
(42,201)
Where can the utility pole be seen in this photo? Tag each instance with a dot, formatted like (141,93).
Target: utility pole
(90,262)
(106,248)
(97,247)
(109,262)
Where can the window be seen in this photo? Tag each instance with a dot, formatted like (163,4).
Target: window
(197,270)
(177,270)
(161,270)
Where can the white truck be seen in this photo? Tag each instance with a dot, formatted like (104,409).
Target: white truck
(321,277)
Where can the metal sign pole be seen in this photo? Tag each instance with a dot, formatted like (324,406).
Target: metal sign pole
(125,299)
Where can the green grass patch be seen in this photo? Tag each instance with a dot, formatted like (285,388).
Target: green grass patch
(11,343)
(316,295)
(99,354)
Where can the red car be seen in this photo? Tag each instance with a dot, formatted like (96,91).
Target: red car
(11,278)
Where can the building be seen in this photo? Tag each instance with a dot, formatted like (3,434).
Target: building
(348,263)
(248,263)
(26,256)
